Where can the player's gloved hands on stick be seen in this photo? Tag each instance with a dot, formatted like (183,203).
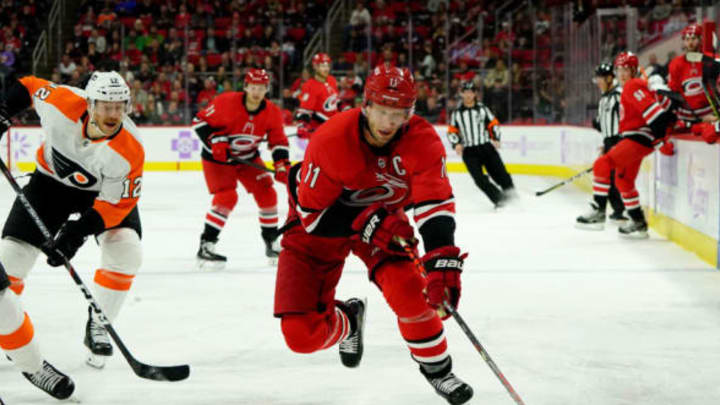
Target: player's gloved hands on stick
(282,167)
(65,245)
(706,130)
(378,226)
(220,146)
(668,148)
(443,266)
(303,131)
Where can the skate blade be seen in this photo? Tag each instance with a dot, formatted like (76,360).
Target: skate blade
(95,361)
(635,235)
(209,265)
(590,227)
(272,261)
(618,222)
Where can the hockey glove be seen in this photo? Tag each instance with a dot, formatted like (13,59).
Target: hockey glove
(378,227)
(282,167)
(304,131)
(220,146)
(443,266)
(66,244)
(5,122)
(708,131)
(668,148)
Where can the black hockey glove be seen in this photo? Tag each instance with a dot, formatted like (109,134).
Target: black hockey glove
(65,245)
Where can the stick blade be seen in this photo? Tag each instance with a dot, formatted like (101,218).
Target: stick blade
(156,373)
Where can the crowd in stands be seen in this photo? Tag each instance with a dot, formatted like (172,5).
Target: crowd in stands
(178,54)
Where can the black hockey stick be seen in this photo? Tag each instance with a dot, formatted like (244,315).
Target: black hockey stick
(463,326)
(253,164)
(157,373)
(564,182)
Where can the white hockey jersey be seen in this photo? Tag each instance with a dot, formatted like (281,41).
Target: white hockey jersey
(112,166)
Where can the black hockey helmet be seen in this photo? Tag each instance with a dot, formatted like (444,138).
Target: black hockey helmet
(604,69)
(468,85)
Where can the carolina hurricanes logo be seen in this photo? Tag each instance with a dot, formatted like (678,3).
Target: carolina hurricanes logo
(692,86)
(331,103)
(243,143)
(391,192)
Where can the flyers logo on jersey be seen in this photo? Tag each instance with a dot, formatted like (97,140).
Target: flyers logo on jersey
(73,172)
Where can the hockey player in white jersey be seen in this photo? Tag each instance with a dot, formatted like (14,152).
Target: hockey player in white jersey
(90,164)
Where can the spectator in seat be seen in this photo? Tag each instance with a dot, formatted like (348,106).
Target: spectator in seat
(208,93)
(66,67)
(497,83)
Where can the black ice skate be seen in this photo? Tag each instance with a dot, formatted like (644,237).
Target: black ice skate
(207,259)
(52,381)
(618,218)
(593,220)
(351,348)
(453,389)
(634,230)
(272,250)
(97,341)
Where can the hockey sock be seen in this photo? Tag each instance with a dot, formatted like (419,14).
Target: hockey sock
(636,214)
(425,337)
(268,217)
(269,233)
(16,334)
(111,288)
(601,187)
(631,199)
(16,284)
(311,332)
(214,223)
(440,369)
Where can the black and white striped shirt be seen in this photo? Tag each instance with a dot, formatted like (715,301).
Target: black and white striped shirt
(473,126)
(608,118)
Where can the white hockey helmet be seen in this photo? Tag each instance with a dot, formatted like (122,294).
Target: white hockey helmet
(107,86)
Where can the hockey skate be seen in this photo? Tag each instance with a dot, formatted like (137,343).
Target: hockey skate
(618,218)
(97,341)
(351,348)
(593,220)
(272,250)
(634,230)
(52,381)
(207,259)
(448,386)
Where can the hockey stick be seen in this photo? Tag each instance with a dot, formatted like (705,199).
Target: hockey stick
(564,182)
(157,373)
(253,164)
(463,326)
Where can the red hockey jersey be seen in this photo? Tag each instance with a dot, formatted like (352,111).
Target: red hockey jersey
(639,108)
(342,174)
(685,77)
(226,115)
(319,100)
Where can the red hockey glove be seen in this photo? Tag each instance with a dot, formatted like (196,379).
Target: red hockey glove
(304,131)
(220,146)
(378,227)
(282,167)
(443,266)
(668,148)
(707,131)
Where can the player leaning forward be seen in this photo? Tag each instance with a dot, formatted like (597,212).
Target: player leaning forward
(360,169)
(90,163)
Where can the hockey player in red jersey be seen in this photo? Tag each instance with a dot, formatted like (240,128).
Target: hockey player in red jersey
(91,163)
(645,117)
(685,76)
(231,129)
(318,97)
(361,169)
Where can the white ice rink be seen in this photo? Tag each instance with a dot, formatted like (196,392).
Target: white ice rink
(570,316)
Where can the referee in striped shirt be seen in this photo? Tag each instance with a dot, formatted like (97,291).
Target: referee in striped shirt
(607,122)
(474,134)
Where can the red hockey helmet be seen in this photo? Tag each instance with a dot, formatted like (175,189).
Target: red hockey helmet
(693,30)
(321,58)
(391,87)
(257,76)
(626,59)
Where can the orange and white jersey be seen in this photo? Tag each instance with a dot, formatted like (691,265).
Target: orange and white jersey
(111,166)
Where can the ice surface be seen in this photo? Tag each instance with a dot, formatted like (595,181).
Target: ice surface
(570,316)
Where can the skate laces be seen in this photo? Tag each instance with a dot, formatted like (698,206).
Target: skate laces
(98,333)
(351,343)
(447,384)
(208,247)
(46,378)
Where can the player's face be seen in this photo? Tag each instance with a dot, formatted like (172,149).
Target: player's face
(692,43)
(623,74)
(255,92)
(108,115)
(322,69)
(384,122)
(468,96)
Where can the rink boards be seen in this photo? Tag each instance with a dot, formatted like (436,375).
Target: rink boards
(679,192)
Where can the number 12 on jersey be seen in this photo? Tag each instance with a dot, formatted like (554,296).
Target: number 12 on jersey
(135,184)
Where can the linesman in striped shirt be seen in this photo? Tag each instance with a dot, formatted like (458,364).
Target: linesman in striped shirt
(474,134)
(607,122)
